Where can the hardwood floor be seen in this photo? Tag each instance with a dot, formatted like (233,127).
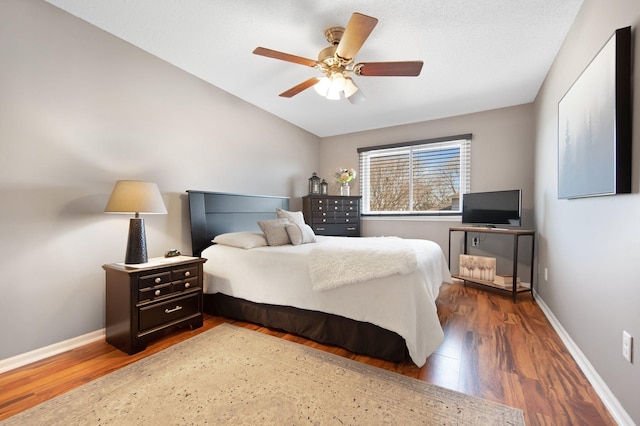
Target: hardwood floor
(493,349)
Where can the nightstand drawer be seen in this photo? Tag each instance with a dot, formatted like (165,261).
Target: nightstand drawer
(184,285)
(150,293)
(180,274)
(169,311)
(154,280)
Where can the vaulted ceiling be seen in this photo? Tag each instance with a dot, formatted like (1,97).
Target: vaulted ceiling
(478,55)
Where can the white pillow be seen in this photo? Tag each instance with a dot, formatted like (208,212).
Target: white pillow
(275,231)
(300,234)
(294,217)
(244,240)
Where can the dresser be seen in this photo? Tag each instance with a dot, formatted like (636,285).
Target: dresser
(332,214)
(143,301)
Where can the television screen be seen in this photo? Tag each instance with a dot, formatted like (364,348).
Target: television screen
(492,208)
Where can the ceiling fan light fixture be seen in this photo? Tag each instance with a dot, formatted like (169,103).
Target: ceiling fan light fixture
(334,95)
(336,86)
(338,82)
(357,97)
(322,86)
(349,87)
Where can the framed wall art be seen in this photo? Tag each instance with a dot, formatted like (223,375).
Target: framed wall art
(594,125)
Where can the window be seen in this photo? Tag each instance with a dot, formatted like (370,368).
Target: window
(420,177)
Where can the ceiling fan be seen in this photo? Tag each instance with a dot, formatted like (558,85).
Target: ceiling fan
(337,61)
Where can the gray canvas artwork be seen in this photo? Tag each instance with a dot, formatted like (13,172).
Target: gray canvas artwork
(586,130)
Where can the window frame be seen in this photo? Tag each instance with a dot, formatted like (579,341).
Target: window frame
(365,153)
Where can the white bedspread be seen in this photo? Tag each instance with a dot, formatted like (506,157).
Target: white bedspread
(402,303)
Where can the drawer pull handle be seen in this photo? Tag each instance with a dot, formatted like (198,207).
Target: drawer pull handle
(187,274)
(187,285)
(158,280)
(320,229)
(157,292)
(349,228)
(177,308)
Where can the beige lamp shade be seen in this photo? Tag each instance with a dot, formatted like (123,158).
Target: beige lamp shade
(132,196)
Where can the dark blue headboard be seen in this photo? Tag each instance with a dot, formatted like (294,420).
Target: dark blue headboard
(214,213)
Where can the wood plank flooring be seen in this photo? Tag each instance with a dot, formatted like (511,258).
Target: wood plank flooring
(493,349)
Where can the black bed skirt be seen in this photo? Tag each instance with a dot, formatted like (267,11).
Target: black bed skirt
(355,336)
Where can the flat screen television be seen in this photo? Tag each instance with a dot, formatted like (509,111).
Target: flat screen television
(492,208)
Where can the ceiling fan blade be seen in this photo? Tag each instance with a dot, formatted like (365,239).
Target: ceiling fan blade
(355,33)
(389,69)
(263,51)
(300,87)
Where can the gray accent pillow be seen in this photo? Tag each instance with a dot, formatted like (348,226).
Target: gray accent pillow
(244,240)
(300,234)
(294,217)
(275,231)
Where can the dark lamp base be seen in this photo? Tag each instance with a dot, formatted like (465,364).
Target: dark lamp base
(137,243)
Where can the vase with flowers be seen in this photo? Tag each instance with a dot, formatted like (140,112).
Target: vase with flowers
(344,178)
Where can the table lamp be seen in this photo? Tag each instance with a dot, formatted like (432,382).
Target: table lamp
(131,196)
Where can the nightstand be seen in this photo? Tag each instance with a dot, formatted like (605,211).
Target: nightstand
(143,301)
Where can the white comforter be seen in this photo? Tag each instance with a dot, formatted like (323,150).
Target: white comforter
(402,303)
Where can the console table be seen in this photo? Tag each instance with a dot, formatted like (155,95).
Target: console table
(516,234)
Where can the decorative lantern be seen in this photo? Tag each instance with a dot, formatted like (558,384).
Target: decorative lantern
(324,187)
(314,184)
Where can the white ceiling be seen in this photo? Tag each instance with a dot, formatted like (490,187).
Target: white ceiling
(478,55)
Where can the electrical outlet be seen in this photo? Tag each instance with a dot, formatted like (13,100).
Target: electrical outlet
(627,346)
(475,241)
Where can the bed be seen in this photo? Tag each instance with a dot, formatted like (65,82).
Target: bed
(390,316)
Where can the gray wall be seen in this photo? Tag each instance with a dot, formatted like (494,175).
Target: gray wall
(502,152)
(591,246)
(80,109)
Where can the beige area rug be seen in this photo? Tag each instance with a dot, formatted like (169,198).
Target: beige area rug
(231,375)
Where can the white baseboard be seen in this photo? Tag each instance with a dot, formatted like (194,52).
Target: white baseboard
(608,398)
(54,349)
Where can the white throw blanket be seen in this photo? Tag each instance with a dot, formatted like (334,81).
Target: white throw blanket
(333,264)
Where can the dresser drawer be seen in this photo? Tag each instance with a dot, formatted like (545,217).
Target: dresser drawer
(169,311)
(348,214)
(318,204)
(347,220)
(184,285)
(320,215)
(348,230)
(146,281)
(324,220)
(150,293)
(179,274)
